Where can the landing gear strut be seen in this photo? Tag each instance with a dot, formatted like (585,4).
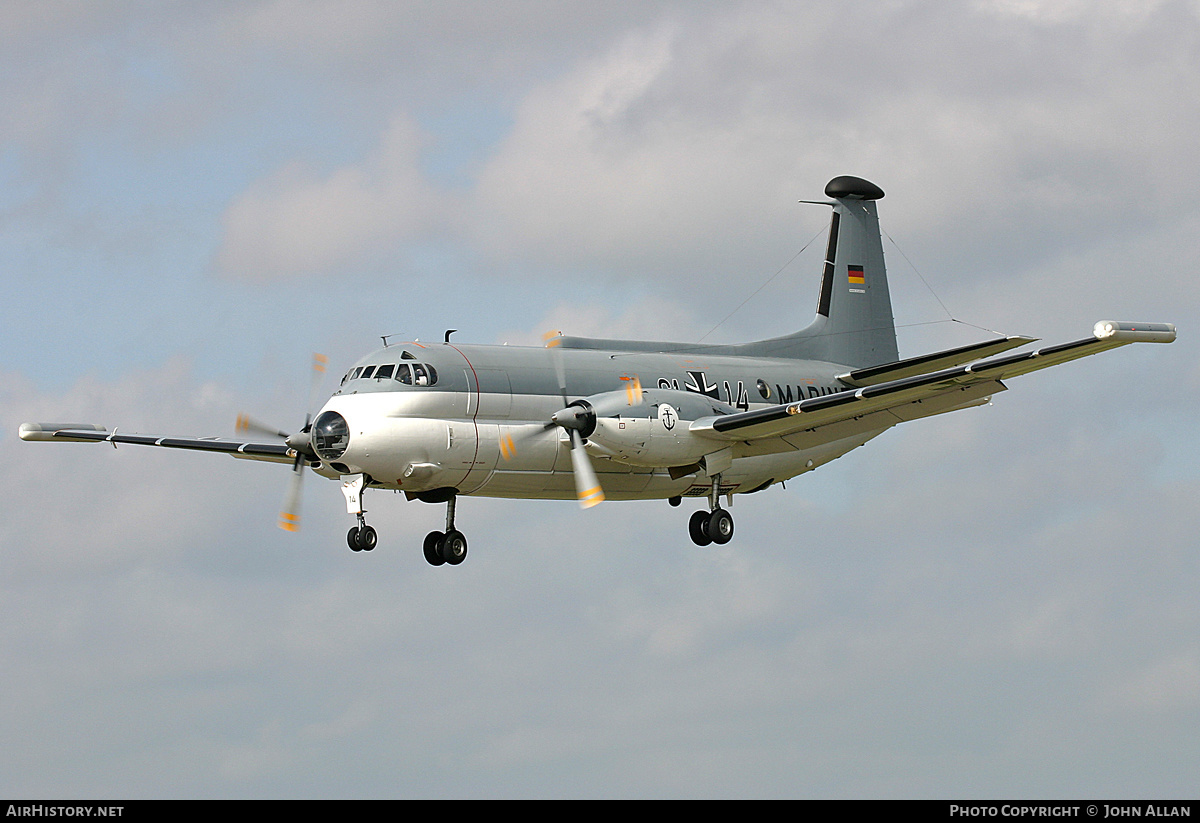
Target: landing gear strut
(361,538)
(449,546)
(715,525)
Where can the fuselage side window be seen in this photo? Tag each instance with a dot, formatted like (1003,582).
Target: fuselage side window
(384,372)
(420,374)
(404,374)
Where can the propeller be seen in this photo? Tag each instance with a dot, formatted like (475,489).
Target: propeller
(579,420)
(247,424)
(587,486)
(300,443)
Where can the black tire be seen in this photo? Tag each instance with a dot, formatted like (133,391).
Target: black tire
(720,526)
(433,548)
(352,540)
(698,528)
(454,547)
(367,538)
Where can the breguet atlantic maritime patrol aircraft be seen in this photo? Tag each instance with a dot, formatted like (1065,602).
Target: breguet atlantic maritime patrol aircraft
(595,419)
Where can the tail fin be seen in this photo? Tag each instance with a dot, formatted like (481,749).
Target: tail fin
(854,324)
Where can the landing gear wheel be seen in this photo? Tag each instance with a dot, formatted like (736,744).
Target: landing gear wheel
(367,538)
(454,547)
(362,539)
(433,548)
(698,528)
(720,526)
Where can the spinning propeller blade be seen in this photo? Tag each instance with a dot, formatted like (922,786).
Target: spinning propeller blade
(289,516)
(587,487)
(301,442)
(553,341)
(246,424)
(577,419)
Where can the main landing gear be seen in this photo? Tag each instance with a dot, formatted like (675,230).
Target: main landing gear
(449,546)
(715,525)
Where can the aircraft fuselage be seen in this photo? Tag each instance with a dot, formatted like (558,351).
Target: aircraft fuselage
(473,418)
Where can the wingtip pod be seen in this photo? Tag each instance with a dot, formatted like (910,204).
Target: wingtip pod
(1123,332)
(45,431)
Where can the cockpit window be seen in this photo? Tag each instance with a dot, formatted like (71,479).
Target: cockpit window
(416,374)
(410,374)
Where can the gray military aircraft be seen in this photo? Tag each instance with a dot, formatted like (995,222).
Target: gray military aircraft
(623,420)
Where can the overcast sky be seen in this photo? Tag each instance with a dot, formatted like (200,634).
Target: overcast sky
(194,197)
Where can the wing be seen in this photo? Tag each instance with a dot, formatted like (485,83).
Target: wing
(927,363)
(882,404)
(88,433)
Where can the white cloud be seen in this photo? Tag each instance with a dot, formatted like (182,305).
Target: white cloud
(299,222)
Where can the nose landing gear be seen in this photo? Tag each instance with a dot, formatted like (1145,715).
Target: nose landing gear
(362,538)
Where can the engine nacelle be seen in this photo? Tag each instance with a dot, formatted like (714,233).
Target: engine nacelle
(655,433)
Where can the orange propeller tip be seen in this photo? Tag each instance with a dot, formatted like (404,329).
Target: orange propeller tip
(591,497)
(508,449)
